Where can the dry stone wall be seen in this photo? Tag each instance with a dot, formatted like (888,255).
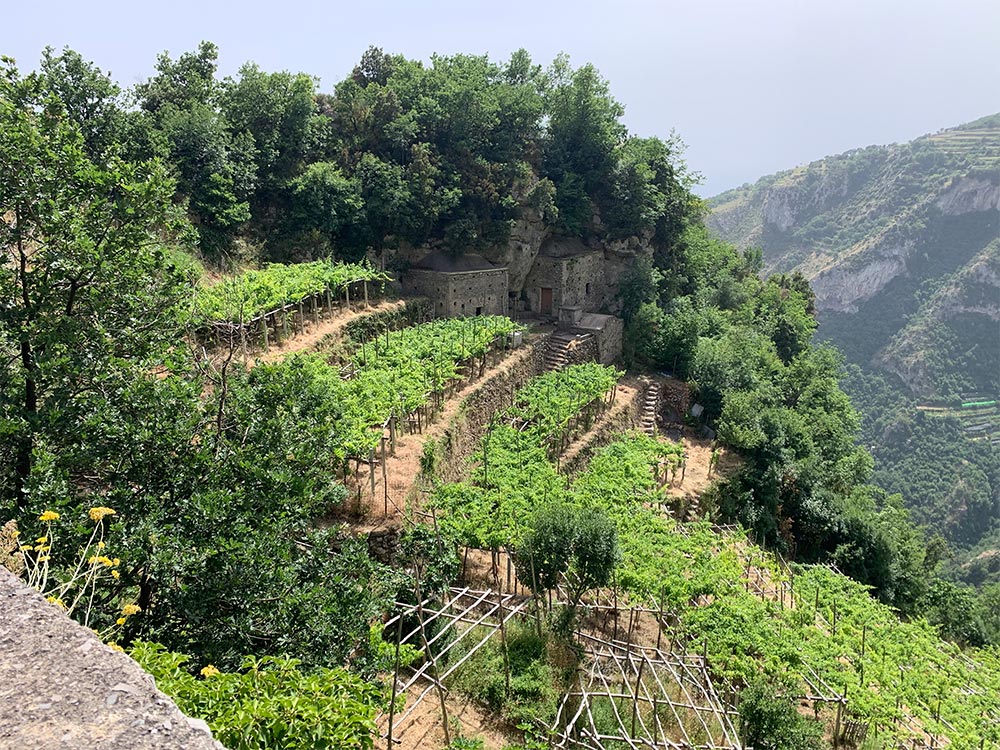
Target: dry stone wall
(462,437)
(620,422)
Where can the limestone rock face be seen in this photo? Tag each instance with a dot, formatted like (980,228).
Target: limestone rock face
(519,253)
(844,285)
(968,194)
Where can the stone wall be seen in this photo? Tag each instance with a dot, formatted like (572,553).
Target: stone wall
(61,688)
(584,281)
(461,293)
(621,420)
(609,342)
(462,437)
(575,281)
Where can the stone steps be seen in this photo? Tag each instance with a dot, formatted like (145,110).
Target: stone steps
(650,409)
(558,351)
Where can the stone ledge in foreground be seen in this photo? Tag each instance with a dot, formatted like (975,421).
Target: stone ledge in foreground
(61,688)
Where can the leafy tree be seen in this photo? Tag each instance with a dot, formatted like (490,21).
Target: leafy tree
(90,99)
(326,211)
(583,132)
(769,722)
(182,83)
(83,264)
(566,543)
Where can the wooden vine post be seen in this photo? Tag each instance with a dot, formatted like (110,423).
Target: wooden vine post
(395,682)
(429,654)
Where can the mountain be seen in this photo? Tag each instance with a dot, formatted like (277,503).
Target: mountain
(901,245)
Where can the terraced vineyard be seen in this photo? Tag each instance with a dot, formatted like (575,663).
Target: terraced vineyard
(257,292)
(394,374)
(980,417)
(849,656)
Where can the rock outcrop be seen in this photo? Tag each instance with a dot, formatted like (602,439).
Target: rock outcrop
(61,688)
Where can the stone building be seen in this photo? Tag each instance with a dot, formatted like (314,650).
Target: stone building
(459,285)
(566,275)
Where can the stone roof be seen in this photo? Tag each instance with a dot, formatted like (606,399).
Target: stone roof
(445,262)
(61,688)
(564,247)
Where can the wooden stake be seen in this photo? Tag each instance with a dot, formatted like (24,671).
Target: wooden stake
(395,682)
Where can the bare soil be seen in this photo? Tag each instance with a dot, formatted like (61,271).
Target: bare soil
(315,333)
(423,729)
(696,478)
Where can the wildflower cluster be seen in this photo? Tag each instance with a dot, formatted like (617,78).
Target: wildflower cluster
(74,589)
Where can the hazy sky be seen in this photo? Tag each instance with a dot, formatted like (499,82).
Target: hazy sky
(752,87)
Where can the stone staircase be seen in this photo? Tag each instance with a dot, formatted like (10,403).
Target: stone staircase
(650,408)
(561,350)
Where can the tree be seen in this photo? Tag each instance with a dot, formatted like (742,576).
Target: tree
(567,543)
(769,722)
(215,170)
(86,288)
(90,99)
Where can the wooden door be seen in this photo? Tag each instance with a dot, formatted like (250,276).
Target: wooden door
(546,306)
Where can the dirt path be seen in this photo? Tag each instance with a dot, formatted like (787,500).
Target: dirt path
(627,393)
(403,468)
(423,728)
(696,472)
(314,333)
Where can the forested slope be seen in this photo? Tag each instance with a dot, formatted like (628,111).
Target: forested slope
(900,245)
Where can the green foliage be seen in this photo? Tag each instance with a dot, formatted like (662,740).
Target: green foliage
(84,264)
(270,703)
(567,543)
(400,151)
(534,677)
(513,476)
(770,722)
(256,292)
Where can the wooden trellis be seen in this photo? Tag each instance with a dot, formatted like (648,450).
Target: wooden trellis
(470,617)
(660,698)
(646,697)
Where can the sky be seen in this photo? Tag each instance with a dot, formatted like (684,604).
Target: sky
(752,87)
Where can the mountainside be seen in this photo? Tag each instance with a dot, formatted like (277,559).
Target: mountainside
(901,245)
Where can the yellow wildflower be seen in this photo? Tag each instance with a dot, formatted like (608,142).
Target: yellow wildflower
(99,513)
(93,560)
(115,574)
(105,561)
(43,558)
(57,601)
(116,562)
(115,647)
(101,545)
(41,548)
(49,515)
(120,621)
(209,671)
(131,609)
(41,540)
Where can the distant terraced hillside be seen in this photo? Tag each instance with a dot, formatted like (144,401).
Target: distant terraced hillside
(901,245)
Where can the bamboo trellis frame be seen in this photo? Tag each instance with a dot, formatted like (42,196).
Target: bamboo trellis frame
(670,682)
(639,683)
